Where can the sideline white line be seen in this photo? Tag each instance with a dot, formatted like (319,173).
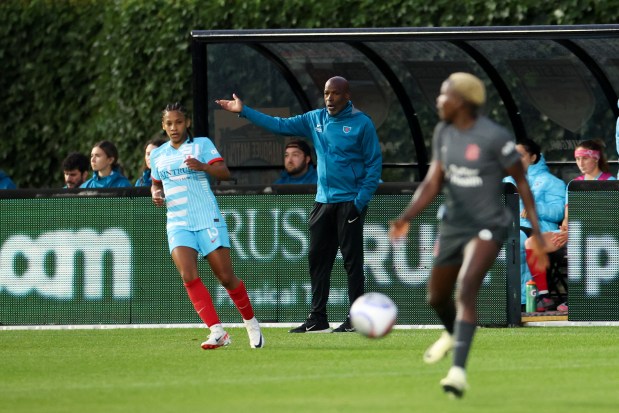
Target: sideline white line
(571,324)
(286,325)
(128,326)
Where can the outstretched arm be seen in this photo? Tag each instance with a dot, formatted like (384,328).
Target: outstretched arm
(293,126)
(235,105)
(428,189)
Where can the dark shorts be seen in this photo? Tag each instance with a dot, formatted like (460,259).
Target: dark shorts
(450,244)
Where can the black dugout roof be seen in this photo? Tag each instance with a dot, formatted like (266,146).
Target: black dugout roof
(554,84)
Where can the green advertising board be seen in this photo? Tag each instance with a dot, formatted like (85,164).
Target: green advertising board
(593,251)
(102,258)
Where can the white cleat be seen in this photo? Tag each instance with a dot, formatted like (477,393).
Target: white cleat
(217,338)
(439,349)
(455,382)
(256,339)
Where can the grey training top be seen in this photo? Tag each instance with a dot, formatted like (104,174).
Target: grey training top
(474,163)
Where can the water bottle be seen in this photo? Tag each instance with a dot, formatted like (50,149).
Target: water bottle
(531,294)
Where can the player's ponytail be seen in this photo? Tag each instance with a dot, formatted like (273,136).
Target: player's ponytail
(189,136)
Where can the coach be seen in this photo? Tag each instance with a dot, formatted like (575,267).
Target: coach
(349,166)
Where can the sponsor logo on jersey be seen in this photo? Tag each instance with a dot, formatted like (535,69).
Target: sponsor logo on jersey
(471,153)
(508,148)
(318,128)
(463,176)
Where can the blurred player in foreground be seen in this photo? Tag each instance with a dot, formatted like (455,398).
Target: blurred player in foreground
(179,172)
(470,156)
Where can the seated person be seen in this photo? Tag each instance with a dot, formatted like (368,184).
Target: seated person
(75,168)
(104,162)
(298,164)
(5,181)
(145,179)
(549,194)
(617,136)
(593,165)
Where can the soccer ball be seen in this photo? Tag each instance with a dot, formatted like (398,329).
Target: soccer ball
(373,315)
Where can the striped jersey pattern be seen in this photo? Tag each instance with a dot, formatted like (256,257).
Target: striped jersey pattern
(190,201)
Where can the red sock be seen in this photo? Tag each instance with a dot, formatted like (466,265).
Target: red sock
(202,302)
(539,276)
(241,300)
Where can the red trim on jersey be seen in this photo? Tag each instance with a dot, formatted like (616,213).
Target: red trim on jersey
(212,161)
(155,180)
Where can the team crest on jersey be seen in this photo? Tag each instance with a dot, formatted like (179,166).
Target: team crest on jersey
(471,153)
(508,148)
(346,129)
(318,128)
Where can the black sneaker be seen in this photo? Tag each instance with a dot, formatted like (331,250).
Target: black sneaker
(312,325)
(345,327)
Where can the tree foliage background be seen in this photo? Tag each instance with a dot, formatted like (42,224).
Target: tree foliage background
(74,72)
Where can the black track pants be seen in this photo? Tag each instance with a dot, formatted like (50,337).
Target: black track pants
(332,226)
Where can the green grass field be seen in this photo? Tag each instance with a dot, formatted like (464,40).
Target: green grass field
(562,369)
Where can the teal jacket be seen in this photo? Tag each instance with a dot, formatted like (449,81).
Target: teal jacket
(309,177)
(114,180)
(5,181)
(349,159)
(145,179)
(617,132)
(549,194)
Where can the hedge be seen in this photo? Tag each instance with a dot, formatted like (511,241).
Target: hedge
(78,71)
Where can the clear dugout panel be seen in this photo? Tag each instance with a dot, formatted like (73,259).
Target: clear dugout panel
(422,66)
(562,92)
(260,81)
(605,53)
(559,100)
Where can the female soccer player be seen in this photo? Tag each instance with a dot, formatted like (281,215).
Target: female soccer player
(180,170)
(470,156)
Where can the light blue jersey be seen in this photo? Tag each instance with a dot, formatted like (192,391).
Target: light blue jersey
(190,201)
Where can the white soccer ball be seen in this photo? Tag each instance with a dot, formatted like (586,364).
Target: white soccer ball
(373,314)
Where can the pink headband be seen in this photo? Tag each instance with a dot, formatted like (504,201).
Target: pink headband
(586,153)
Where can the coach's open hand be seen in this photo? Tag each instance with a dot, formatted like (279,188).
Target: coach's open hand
(235,105)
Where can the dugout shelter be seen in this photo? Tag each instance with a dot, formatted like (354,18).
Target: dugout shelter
(554,84)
